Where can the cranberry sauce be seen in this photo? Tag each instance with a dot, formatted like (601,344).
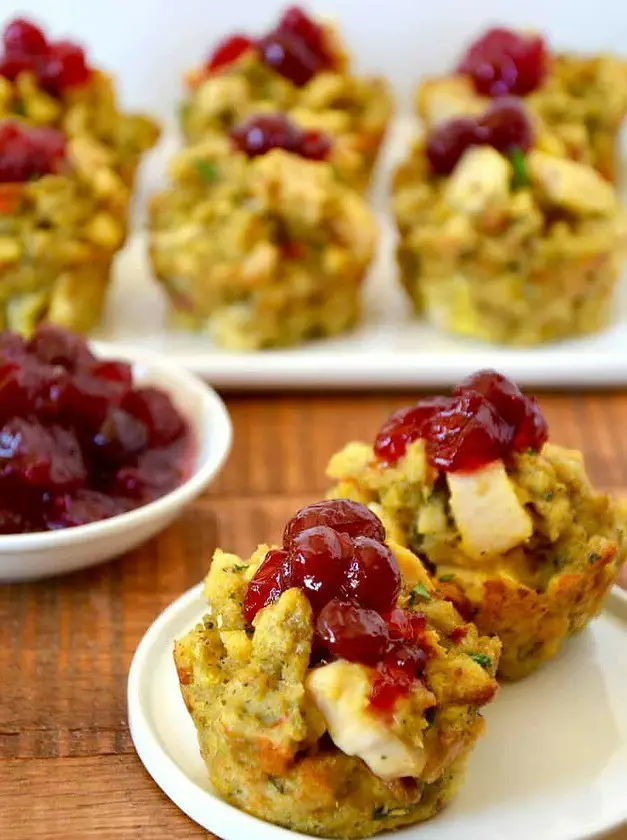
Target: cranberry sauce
(334,551)
(29,152)
(296,48)
(79,441)
(503,62)
(485,419)
(505,126)
(259,134)
(57,65)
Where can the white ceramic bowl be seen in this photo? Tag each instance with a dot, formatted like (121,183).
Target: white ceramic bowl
(29,556)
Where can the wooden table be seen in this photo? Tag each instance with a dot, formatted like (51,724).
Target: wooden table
(67,765)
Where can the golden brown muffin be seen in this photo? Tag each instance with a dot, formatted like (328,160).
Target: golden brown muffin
(260,252)
(59,231)
(525,546)
(323,94)
(298,742)
(520,250)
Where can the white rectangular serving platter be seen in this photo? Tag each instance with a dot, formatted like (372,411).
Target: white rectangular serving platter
(150,43)
(390,349)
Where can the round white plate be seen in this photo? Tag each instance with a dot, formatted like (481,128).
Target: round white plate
(551,766)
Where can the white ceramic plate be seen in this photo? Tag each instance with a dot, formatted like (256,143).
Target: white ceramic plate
(551,766)
(38,555)
(390,349)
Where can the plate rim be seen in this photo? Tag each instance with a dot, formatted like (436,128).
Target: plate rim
(192,799)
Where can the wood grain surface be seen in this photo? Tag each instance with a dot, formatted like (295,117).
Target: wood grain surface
(67,765)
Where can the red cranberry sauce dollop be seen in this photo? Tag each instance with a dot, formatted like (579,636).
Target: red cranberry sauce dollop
(296,48)
(485,419)
(57,65)
(79,441)
(28,152)
(335,552)
(259,134)
(503,62)
(505,126)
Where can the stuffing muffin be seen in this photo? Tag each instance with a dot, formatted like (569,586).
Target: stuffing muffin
(578,102)
(299,68)
(263,247)
(504,242)
(62,218)
(334,691)
(50,83)
(509,525)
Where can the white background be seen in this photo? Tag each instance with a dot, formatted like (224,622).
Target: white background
(149,43)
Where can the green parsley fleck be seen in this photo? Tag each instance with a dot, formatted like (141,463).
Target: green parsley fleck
(481,659)
(237,568)
(277,784)
(379,813)
(18,108)
(419,591)
(593,557)
(207,170)
(548,496)
(446,578)
(519,165)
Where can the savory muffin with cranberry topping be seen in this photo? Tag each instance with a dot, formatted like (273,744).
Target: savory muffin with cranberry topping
(502,241)
(578,102)
(509,525)
(51,83)
(300,68)
(257,241)
(62,219)
(334,691)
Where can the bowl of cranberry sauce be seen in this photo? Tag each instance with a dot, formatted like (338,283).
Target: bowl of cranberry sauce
(97,454)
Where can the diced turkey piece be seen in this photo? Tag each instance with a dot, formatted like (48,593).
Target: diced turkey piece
(444,99)
(489,516)
(480,178)
(341,692)
(570,185)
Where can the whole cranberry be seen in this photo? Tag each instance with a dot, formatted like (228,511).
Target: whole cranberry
(157,472)
(120,437)
(271,580)
(506,126)
(298,22)
(448,141)
(228,51)
(27,152)
(157,412)
(353,633)
(317,557)
(467,435)
(315,145)
(23,37)
(48,459)
(81,508)
(12,64)
(261,133)
(405,426)
(54,345)
(343,515)
(373,578)
(397,673)
(503,62)
(64,67)
(287,54)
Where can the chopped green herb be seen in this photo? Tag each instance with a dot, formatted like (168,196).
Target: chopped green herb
(237,568)
(18,108)
(445,578)
(207,170)
(519,165)
(481,659)
(379,813)
(548,496)
(419,591)
(593,557)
